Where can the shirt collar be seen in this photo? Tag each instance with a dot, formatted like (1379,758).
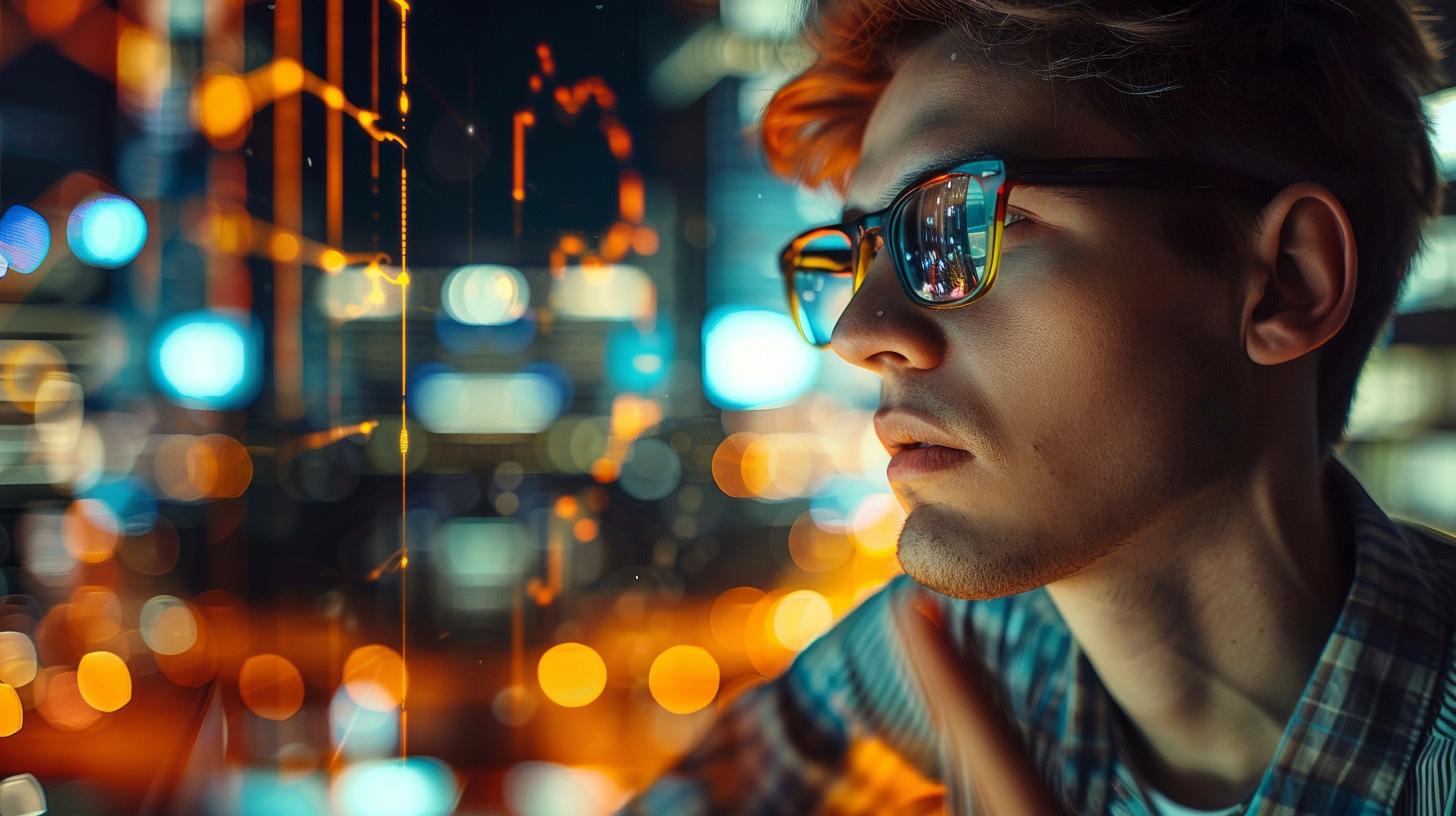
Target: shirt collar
(1357,724)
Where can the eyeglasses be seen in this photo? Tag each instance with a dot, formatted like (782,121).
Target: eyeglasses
(944,233)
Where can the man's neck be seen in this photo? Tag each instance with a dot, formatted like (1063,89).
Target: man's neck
(1205,628)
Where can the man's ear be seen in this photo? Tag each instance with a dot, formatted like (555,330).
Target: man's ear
(1302,281)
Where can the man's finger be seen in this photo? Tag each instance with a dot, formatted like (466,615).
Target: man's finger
(986,748)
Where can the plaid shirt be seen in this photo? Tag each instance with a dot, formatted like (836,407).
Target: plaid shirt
(1373,733)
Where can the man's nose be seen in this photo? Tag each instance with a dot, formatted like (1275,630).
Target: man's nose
(882,329)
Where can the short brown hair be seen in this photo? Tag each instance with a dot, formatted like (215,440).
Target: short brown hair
(1319,90)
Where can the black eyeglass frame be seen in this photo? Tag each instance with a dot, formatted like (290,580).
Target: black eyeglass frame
(1132,173)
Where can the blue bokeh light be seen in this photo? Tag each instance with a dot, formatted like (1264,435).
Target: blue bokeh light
(266,792)
(208,359)
(754,358)
(418,786)
(25,238)
(638,360)
(106,230)
(132,507)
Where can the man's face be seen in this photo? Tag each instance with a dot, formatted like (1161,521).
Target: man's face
(1097,385)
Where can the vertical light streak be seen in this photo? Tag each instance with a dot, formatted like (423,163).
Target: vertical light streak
(519,123)
(403,282)
(228,284)
(288,215)
(334,198)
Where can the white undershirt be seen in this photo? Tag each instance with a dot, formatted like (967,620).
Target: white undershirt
(1163,806)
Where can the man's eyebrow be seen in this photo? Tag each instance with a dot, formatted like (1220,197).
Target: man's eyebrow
(921,171)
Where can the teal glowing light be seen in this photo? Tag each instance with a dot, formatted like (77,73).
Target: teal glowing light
(266,792)
(359,732)
(106,230)
(418,786)
(637,360)
(208,360)
(753,358)
(25,238)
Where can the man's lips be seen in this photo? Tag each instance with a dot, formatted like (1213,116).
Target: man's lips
(917,444)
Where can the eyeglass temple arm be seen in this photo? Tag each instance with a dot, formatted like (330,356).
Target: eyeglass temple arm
(1168,174)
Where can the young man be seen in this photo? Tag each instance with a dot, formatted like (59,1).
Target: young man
(1155,589)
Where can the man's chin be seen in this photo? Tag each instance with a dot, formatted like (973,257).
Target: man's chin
(954,555)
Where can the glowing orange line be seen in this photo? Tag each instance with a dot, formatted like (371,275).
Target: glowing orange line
(324,438)
(521,121)
(288,211)
(334,159)
(402,280)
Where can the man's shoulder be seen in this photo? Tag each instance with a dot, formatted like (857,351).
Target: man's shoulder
(1433,560)
(1433,553)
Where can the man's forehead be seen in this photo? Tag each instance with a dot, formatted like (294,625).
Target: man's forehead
(946,102)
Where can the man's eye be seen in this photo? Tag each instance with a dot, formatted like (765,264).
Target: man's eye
(1012,217)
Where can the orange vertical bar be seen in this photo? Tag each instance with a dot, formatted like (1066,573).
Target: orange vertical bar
(374,89)
(519,123)
(334,161)
(403,282)
(334,186)
(228,283)
(288,215)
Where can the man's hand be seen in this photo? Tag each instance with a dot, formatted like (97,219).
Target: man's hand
(983,752)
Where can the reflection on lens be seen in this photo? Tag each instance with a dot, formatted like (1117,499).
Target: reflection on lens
(943,233)
(823,281)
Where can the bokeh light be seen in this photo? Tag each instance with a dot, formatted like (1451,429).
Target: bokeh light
(683,679)
(637,360)
(25,239)
(12,713)
(799,617)
(25,366)
(197,664)
(652,470)
(59,701)
(271,686)
(375,677)
(753,358)
(875,525)
(18,662)
(486,403)
(91,530)
(548,789)
(485,295)
(571,674)
(208,359)
(359,732)
(106,230)
(417,786)
(95,614)
(728,617)
(168,625)
(603,292)
(514,706)
(814,549)
(192,468)
(222,108)
(104,681)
